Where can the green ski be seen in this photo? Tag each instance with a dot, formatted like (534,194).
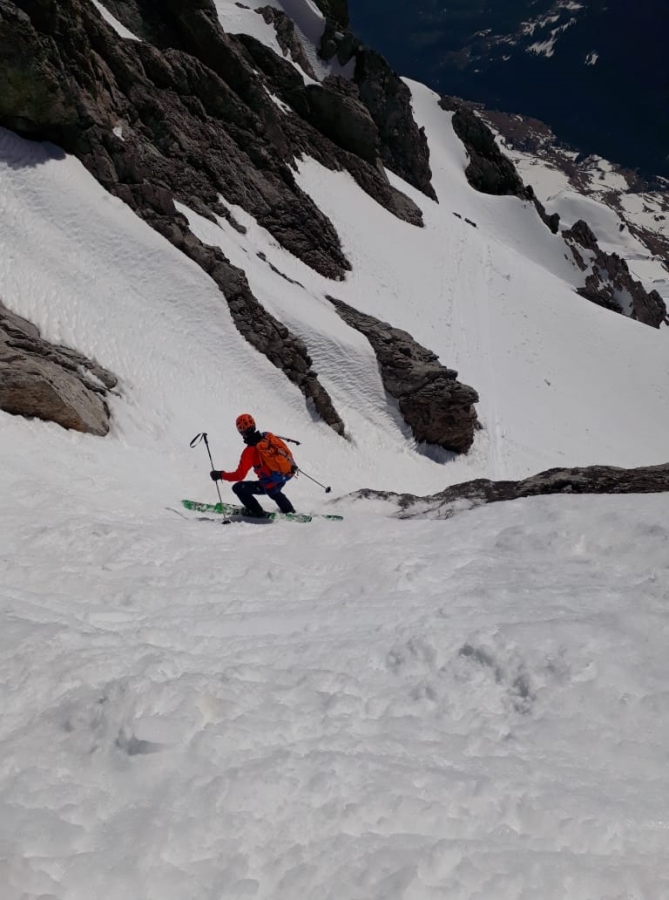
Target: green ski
(230,509)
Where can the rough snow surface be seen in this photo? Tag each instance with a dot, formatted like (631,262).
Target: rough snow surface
(474,708)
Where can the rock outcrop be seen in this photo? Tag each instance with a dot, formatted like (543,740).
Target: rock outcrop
(336,11)
(44,381)
(183,113)
(287,37)
(192,113)
(403,146)
(609,282)
(586,480)
(489,171)
(437,407)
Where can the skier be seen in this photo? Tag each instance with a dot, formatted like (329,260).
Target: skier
(272,462)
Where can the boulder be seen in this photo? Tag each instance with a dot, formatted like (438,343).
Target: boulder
(44,381)
(435,405)
(489,171)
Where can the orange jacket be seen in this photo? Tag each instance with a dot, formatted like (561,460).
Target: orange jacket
(251,458)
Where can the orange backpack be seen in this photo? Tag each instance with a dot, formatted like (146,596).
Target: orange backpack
(275,455)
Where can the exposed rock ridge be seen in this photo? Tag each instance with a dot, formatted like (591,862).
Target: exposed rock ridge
(437,407)
(403,145)
(609,282)
(50,382)
(287,38)
(332,126)
(489,170)
(269,336)
(586,480)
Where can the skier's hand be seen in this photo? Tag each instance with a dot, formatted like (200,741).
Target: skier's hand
(215,475)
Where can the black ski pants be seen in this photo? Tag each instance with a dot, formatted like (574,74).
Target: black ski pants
(246,489)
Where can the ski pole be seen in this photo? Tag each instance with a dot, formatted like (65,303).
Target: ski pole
(293,441)
(326,489)
(196,440)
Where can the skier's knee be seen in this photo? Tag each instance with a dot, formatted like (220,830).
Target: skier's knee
(238,488)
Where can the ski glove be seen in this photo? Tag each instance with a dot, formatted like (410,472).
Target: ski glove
(215,475)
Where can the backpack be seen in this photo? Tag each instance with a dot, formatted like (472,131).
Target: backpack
(275,455)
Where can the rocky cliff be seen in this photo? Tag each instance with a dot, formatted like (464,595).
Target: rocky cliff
(189,112)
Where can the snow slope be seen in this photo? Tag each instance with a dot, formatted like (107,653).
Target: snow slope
(474,708)
(617,213)
(557,376)
(376,708)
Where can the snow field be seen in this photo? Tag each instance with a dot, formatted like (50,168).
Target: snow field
(373,708)
(613,234)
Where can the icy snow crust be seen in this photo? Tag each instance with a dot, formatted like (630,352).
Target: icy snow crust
(470,708)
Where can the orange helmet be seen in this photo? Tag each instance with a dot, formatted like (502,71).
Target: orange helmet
(245,422)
